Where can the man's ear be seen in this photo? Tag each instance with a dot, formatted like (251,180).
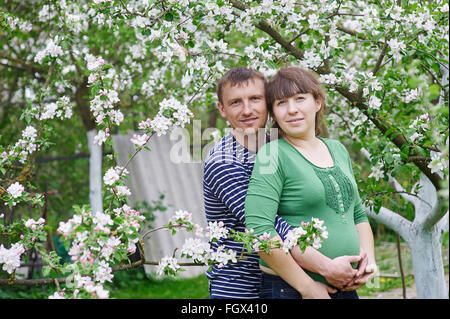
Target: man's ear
(221,109)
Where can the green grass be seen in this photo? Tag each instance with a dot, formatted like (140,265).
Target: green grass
(134,284)
(385,284)
(387,261)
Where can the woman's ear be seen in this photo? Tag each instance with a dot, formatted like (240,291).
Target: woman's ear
(318,105)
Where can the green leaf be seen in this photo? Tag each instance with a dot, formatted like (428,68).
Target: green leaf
(46,271)
(435,91)
(168,17)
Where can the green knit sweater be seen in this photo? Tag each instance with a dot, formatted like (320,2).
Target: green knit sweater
(284,182)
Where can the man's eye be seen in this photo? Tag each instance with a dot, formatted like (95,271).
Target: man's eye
(280,102)
(300,98)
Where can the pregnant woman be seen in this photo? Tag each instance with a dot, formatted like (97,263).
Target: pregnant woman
(299,176)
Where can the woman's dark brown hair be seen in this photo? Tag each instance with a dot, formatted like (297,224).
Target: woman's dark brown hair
(290,81)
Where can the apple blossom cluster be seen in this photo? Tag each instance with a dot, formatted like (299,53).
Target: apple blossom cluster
(198,250)
(216,231)
(419,127)
(15,190)
(83,287)
(105,97)
(28,144)
(168,266)
(171,114)
(396,47)
(93,64)
(309,233)
(201,252)
(17,23)
(23,148)
(96,240)
(113,174)
(413,95)
(438,163)
(10,258)
(33,230)
(52,49)
(102,107)
(34,224)
(377,171)
(62,109)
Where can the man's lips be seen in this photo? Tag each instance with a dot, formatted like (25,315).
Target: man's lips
(249,121)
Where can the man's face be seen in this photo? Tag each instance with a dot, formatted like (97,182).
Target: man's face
(244,105)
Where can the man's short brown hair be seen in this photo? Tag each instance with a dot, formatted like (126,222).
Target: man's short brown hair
(236,77)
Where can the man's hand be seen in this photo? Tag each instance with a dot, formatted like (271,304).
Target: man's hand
(362,263)
(339,272)
(358,282)
(318,290)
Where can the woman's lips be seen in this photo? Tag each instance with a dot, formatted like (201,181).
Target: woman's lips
(295,121)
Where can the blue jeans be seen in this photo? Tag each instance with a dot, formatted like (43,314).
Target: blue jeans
(274,287)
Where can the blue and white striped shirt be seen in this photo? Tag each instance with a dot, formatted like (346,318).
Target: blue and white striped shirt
(227,171)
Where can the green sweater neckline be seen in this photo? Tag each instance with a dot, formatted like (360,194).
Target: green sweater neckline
(311,163)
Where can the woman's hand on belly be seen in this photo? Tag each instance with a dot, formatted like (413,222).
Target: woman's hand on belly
(339,272)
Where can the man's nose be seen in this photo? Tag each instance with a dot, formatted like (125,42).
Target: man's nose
(247,110)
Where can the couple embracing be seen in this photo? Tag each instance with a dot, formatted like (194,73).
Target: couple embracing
(310,176)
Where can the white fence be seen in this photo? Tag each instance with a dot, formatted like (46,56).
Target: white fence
(152,173)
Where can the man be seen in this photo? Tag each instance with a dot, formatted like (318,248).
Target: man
(227,170)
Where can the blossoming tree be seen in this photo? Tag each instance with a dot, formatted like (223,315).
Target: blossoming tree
(384,64)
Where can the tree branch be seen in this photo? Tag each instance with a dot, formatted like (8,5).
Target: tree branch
(31,282)
(380,59)
(391,219)
(398,139)
(443,223)
(412,198)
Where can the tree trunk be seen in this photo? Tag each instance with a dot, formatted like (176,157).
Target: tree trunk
(427,262)
(95,173)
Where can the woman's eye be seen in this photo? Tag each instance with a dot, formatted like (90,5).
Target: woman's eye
(280,102)
(300,98)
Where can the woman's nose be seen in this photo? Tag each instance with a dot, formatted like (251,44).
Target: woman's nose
(291,107)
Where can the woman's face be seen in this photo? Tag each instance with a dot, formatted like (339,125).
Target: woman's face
(296,115)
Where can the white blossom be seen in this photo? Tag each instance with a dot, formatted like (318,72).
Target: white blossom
(15,190)
(216,230)
(377,171)
(167,263)
(10,258)
(139,140)
(111,176)
(374,102)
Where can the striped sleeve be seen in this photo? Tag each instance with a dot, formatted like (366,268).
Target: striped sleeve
(228,183)
(282,227)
